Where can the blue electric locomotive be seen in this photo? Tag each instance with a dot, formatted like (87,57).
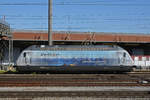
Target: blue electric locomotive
(74,58)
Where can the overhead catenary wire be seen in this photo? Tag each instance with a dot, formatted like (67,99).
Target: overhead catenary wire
(74,20)
(22,4)
(74,3)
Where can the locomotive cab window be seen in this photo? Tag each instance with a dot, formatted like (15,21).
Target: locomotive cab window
(124,54)
(24,54)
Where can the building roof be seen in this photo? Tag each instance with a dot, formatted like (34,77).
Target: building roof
(81,36)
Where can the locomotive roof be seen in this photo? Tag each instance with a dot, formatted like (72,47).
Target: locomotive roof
(74,47)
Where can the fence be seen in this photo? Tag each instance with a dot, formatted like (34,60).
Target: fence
(142,61)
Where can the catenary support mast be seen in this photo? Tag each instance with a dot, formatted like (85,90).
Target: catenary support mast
(50,42)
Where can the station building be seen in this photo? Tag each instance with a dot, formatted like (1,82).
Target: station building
(138,45)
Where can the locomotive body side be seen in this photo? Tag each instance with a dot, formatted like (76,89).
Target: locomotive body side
(78,60)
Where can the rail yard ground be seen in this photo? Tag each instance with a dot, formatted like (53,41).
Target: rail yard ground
(130,86)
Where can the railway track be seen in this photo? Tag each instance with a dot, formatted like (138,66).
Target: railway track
(102,94)
(74,85)
(75,80)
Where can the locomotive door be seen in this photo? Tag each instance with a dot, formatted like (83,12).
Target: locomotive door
(27,58)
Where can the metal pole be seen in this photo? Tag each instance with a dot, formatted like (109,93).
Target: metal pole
(9,55)
(50,42)
(12,51)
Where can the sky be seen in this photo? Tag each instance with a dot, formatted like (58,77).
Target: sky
(125,16)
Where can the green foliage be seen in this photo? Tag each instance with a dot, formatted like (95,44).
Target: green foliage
(2,72)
